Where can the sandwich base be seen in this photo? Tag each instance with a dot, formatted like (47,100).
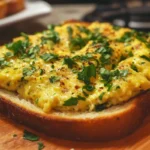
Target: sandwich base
(110,124)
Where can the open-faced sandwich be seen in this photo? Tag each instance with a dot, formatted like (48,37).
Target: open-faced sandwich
(77,80)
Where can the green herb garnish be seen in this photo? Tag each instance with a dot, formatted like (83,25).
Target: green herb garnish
(84,29)
(101,95)
(50,35)
(3,63)
(14,135)
(77,43)
(117,87)
(97,37)
(108,76)
(106,53)
(141,37)
(54,79)
(49,57)
(100,107)
(130,54)
(116,27)
(40,146)
(18,47)
(51,27)
(30,136)
(28,71)
(134,67)
(123,73)
(89,87)
(33,51)
(126,37)
(109,86)
(145,57)
(9,55)
(25,35)
(42,71)
(70,32)
(69,62)
(86,73)
(73,101)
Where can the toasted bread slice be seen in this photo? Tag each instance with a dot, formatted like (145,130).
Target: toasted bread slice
(15,6)
(109,124)
(3,8)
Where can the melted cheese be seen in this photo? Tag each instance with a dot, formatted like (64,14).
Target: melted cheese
(49,96)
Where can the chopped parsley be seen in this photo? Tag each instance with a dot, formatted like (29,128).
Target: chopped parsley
(101,95)
(49,57)
(53,36)
(117,87)
(106,53)
(3,63)
(122,57)
(100,107)
(25,35)
(51,27)
(30,136)
(89,87)
(50,35)
(22,48)
(19,47)
(86,73)
(73,101)
(42,71)
(123,73)
(141,37)
(84,29)
(70,32)
(97,37)
(109,86)
(134,67)
(69,62)
(28,71)
(54,79)
(33,51)
(9,55)
(130,54)
(14,135)
(116,28)
(126,37)
(40,146)
(145,57)
(77,43)
(108,76)
(86,57)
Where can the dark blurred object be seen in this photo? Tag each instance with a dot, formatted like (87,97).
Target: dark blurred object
(73,1)
(128,13)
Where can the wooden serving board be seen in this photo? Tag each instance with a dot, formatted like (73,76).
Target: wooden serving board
(139,140)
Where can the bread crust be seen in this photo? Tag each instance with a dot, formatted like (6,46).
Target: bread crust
(15,6)
(3,8)
(99,126)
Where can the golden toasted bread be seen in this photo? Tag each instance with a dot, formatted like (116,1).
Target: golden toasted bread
(3,8)
(110,124)
(15,6)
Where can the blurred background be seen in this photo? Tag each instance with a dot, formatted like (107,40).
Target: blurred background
(126,13)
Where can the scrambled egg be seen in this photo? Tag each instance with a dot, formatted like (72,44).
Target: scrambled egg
(77,67)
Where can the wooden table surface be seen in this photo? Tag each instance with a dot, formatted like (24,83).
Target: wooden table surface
(140,140)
